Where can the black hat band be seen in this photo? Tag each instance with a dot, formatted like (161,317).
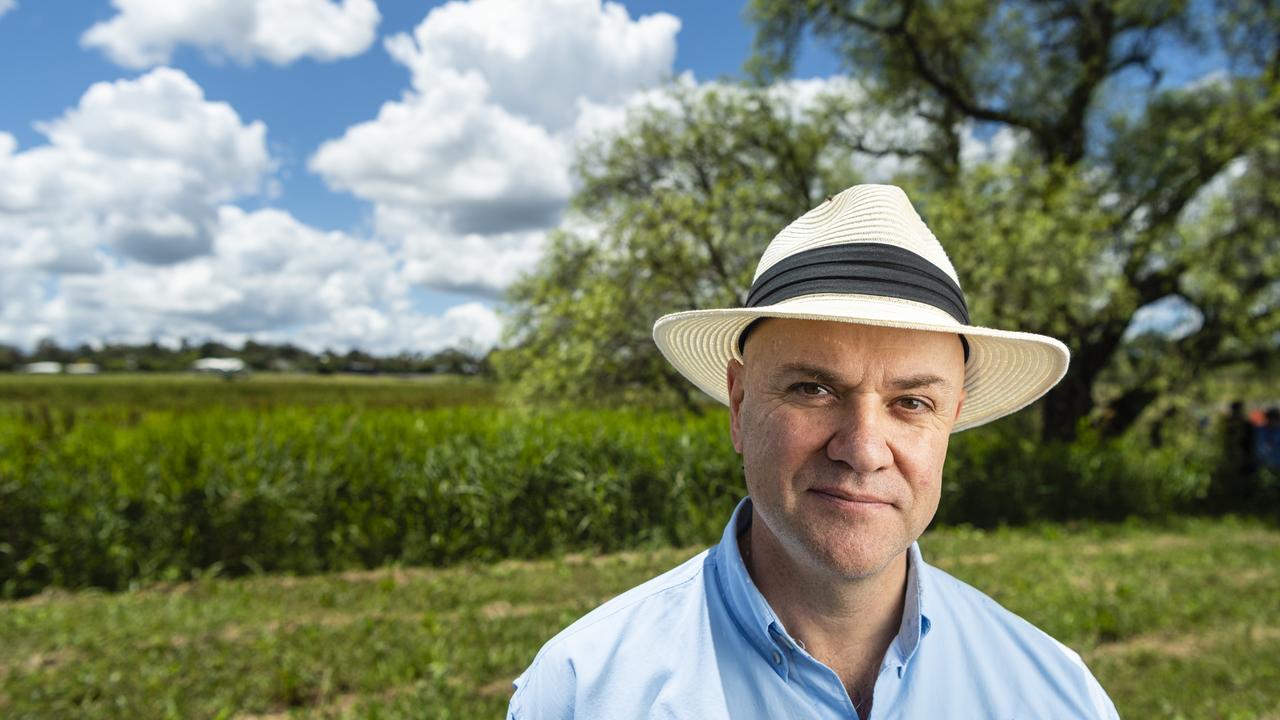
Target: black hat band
(859,269)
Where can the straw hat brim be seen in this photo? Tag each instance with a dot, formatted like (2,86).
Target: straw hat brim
(1005,372)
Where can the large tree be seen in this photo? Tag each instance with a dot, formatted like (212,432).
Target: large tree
(673,211)
(1123,194)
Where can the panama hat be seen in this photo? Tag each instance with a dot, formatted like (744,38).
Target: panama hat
(865,256)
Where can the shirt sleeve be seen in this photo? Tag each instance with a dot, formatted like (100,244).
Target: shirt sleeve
(1100,703)
(546,690)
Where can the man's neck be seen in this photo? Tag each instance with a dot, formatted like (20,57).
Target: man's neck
(846,623)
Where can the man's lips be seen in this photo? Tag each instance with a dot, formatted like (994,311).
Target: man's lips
(848,496)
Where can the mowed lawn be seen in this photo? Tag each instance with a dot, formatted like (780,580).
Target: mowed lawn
(1179,620)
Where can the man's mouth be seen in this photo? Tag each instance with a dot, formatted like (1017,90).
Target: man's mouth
(850,497)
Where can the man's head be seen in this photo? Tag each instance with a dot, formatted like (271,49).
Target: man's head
(865,256)
(843,430)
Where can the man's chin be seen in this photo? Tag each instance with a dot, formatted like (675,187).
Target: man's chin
(852,562)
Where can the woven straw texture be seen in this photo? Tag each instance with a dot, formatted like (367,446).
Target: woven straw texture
(1005,372)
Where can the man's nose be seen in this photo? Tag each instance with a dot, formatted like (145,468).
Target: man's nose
(860,439)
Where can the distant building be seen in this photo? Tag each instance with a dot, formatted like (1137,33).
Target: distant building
(82,368)
(43,368)
(225,366)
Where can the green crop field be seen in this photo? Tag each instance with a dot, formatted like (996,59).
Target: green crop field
(1178,620)
(180,546)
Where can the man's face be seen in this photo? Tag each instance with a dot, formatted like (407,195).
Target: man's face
(843,430)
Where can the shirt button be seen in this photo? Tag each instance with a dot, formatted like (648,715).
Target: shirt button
(777,658)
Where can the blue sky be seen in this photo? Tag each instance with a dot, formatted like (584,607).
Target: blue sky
(308,101)
(360,173)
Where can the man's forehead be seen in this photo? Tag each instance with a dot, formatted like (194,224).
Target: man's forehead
(774,334)
(817,347)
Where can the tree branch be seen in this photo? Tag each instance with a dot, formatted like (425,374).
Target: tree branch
(949,91)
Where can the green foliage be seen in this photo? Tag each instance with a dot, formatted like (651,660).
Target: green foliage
(1031,65)
(1003,474)
(109,496)
(113,493)
(672,215)
(1117,197)
(1175,619)
(1024,242)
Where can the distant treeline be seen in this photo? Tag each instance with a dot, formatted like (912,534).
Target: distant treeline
(154,357)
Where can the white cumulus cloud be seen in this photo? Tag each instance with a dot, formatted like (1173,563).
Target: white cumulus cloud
(268,277)
(135,169)
(146,32)
(451,151)
(120,228)
(472,165)
(539,59)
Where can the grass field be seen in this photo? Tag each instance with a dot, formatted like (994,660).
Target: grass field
(120,480)
(1177,620)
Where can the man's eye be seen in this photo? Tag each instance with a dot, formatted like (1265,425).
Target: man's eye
(809,389)
(914,404)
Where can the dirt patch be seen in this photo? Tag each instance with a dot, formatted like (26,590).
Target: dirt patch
(398,575)
(500,687)
(626,557)
(1189,645)
(1174,541)
(1129,546)
(238,632)
(1249,576)
(48,595)
(501,609)
(330,707)
(42,661)
(979,559)
(52,659)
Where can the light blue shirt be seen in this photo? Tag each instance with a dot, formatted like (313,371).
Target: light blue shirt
(701,642)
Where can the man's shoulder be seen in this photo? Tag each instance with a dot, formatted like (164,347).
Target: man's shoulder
(972,610)
(655,596)
(624,632)
(996,641)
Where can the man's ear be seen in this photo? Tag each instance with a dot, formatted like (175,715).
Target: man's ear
(959,406)
(736,377)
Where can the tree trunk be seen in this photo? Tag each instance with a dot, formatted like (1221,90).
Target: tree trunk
(1064,407)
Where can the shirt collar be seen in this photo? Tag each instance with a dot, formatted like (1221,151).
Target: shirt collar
(915,622)
(757,622)
(746,606)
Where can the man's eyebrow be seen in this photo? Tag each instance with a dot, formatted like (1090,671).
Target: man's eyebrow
(826,377)
(911,382)
(812,372)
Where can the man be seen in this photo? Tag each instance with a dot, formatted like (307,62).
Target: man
(1267,441)
(1233,480)
(845,374)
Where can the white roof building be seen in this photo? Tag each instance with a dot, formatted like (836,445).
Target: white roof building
(226,366)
